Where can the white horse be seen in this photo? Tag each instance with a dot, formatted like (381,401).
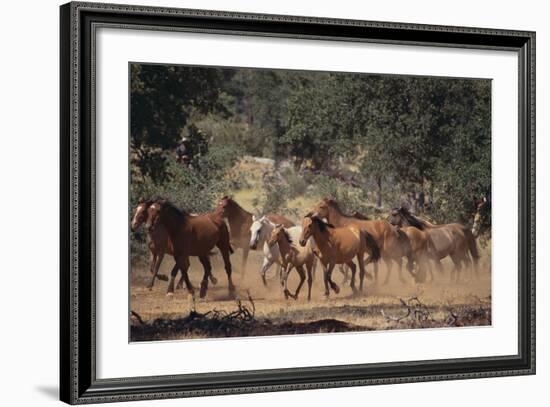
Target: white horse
(260,231)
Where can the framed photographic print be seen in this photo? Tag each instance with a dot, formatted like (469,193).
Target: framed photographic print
(256,203)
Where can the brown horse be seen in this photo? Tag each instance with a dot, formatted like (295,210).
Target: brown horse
(192,236)
(158,242)
(240,222)
(452,239)
(293,255)
(339,246)
(393,243)
(419,245)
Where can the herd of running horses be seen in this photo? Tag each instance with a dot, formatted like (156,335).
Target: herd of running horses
(327,235)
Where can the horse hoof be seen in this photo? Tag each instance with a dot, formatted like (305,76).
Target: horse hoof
(214,280)
(335,288)
(162,277)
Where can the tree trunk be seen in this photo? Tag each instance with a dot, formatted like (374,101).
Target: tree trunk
(379,192)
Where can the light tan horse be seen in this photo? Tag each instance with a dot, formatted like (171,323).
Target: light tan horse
(240,222)
(293,255)
(393,243)
(339,246)
(452,239)
(192,236)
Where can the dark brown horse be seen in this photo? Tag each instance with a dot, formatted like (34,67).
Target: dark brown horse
(393,243)
(240,222)
(192,236)
(158,242)
(452,239)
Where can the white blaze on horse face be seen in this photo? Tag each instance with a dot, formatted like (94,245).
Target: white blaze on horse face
(150,220)
(255,232)
(137,214)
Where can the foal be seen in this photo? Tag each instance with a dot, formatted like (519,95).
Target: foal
(293,256)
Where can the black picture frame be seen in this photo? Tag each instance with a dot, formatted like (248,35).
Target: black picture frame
(78,382)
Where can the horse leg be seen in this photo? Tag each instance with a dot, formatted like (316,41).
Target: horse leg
(173,274)
(438,266)
(267,263)
(205,261)
(399,262)
(362,272)
(325,279)
(424,268)
(226,252)
(456,270)
(302,273)
(332,284)
(155,269)
(389,267)
(285,270)
(153,261)
(309,268)
(353,269)
(244,261)
(182,262)
(344,271)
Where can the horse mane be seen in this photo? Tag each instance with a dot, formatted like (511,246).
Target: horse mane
(322,224)
(287,236)
(333,202)
(234,203)
(411,219)
(358,215)
(180,214)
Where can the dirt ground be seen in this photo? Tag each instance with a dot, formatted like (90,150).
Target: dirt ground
(396,305)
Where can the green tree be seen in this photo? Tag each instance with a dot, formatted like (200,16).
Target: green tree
(161,100)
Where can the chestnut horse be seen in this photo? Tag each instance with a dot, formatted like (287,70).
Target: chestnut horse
(192,236)
(452,239)
(240,222)
(339,245)
(419,244)
(158,242)
(392,242)
(293,255)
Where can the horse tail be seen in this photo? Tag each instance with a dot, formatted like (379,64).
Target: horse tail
(371,243)
(472,245)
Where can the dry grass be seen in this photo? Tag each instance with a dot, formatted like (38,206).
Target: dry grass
(378,307)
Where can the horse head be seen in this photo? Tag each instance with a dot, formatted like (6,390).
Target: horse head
(153,214)
(255,231)
(140,214)
(397,218)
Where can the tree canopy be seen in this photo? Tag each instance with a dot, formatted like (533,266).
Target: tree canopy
(424,140)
